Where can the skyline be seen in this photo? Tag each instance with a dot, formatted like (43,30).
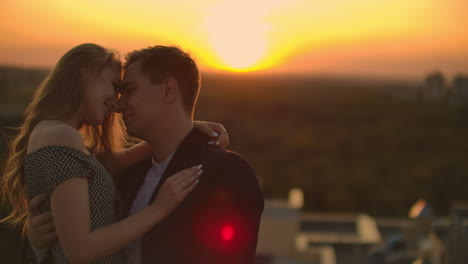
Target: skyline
(362,37)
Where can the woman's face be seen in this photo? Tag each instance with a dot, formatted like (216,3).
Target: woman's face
(100,94)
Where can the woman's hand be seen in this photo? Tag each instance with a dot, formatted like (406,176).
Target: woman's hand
(215,131)
(41,229)
(176,188)
(127,157)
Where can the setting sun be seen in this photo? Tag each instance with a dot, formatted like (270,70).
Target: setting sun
(237,36)
(238,33)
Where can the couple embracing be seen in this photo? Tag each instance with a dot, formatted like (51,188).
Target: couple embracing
(84,193)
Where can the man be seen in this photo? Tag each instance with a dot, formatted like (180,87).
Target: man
(219,221)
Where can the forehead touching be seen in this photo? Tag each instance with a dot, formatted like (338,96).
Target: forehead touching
(133,75)
(112,72)
(132,71)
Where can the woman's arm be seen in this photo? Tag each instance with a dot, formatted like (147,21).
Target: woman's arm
(71,214)
(41,229)
(127,157)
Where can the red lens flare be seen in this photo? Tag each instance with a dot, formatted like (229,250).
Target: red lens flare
(227,232)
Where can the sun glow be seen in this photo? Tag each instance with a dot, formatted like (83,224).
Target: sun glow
(276,36)
(237,32)
(239,43)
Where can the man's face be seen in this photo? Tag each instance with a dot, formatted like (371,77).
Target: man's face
(141,102)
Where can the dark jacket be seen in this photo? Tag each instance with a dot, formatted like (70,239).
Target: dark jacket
(217,223)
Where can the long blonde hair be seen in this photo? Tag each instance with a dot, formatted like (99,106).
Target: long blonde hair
(58,97)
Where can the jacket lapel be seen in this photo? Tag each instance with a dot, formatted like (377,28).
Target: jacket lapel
(187,155)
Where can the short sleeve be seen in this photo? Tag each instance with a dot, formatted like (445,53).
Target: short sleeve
(63,164)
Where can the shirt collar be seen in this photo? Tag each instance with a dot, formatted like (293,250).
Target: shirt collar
(163,164)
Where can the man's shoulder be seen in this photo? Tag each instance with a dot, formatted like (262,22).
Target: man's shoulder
(229,171)
(228,168)
(225,159)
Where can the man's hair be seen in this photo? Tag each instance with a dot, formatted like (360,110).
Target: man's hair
(161,62)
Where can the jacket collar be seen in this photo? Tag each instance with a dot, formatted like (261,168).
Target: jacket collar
(187,155)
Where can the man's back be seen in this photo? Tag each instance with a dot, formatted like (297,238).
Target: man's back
(218,222)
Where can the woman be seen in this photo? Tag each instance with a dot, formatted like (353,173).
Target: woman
(70,136)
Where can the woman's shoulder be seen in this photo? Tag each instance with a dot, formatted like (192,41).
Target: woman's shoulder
(55,134)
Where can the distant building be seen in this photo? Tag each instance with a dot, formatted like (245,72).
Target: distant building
(341,239)
(289,236)
(458,239)
(434,88)
(278,229)
(460,87)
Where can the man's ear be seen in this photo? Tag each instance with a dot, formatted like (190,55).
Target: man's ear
(170,90)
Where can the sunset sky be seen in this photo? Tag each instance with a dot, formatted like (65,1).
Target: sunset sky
(382,38)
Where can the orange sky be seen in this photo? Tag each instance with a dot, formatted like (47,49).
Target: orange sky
(388,38)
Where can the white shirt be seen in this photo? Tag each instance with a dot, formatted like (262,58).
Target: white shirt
(141,201)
